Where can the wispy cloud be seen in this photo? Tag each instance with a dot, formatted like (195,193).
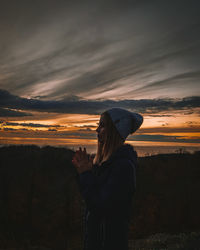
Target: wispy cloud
(100,50)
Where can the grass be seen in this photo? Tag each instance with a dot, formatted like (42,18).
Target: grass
(159,241)
(163,241)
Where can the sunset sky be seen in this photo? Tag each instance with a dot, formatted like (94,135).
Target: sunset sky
(62,63)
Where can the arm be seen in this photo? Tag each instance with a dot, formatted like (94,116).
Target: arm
(114,192)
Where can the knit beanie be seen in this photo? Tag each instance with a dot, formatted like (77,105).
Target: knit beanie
(126,122)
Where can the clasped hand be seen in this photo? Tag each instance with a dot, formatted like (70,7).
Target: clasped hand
(82,161)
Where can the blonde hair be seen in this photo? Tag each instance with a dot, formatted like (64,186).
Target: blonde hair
(112,141)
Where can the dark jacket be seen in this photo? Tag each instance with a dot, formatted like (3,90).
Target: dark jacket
(108,191)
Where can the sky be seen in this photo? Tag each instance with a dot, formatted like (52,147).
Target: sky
(62,63)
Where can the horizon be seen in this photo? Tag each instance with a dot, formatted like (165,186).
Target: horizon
(142,151)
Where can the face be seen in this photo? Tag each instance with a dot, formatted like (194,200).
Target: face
(101,130)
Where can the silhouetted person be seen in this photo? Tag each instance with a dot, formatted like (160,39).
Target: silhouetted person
(108,182)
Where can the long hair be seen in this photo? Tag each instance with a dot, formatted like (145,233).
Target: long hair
(112,141)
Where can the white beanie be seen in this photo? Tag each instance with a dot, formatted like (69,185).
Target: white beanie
(126,122)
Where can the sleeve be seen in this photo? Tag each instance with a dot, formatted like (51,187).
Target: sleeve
(120,185)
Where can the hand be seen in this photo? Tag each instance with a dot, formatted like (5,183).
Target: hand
(82,161)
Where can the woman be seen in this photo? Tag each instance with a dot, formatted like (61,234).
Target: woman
(108,182)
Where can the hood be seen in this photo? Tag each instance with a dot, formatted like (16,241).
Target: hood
(125,151)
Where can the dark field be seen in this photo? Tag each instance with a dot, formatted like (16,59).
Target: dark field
(41,207)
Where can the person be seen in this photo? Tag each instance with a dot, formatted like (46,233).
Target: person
(107,182)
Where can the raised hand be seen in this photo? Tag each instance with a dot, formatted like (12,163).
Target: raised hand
(82,161)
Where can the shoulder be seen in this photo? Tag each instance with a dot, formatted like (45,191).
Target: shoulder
(122,165)
(122,161)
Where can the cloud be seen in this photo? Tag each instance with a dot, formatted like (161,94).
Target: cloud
(163,138)
(5,112)
(176,80)
(138,48)
(83,126)
(10,129)
(85,129)
(36,125)
(86,134)
(148,106)
(164,129)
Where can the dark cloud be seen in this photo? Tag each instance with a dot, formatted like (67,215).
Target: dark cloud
(15,130)
(81,133)
(10,129)
(36,125)
(157,115)
(85,129)
(163,138)
(5,112)
(165,129)
(54,49)
(148,106)
(86,126)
